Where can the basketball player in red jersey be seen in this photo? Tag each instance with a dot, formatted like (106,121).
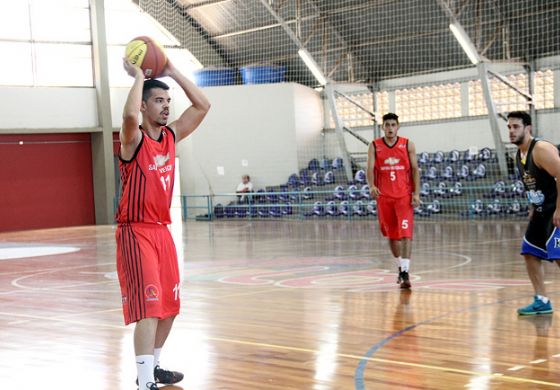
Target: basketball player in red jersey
(146,255)
(394,180)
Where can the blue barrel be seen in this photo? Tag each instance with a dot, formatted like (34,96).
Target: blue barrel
(263,74)
(213,77)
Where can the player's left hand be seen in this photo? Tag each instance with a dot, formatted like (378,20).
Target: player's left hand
(416,200)
(556,218)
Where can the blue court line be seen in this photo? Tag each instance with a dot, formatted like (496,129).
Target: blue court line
(359,383)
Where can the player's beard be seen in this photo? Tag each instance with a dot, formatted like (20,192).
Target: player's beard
(520,140)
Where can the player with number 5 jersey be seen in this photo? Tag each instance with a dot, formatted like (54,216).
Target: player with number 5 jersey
(394,180)
(146,255)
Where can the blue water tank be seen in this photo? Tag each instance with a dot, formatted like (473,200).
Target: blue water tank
(263,74)
(213,77)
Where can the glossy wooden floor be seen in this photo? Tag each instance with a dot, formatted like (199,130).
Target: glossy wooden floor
(284,305)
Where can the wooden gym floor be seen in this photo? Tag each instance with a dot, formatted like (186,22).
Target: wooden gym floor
(284,305)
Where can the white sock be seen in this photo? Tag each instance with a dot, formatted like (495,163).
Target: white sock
(544,299)
(398,261)
(157,352)
(405,265)
(145,368)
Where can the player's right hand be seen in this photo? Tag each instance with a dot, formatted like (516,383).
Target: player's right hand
(374,192)
(131,69)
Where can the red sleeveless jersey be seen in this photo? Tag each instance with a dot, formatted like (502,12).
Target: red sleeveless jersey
(147,181)
(392,171)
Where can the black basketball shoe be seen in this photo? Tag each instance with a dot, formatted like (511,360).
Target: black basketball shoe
(165,377)
(404,279)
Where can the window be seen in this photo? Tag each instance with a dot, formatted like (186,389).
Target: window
(429,102)
(506,99)
(139,23)
(48,40)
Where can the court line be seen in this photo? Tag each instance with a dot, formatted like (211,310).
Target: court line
(359,383)
(386,361)
(249,293)
(303,350)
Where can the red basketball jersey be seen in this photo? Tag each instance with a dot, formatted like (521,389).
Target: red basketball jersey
(147,181)
(392,170)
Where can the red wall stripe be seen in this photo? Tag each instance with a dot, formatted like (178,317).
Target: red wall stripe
(46,181)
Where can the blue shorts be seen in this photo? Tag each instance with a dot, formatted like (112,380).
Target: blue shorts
(542,238)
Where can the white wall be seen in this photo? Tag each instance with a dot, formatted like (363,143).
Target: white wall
(269,126)
(48,107)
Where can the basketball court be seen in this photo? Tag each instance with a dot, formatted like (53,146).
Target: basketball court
(256,129)
(285,305)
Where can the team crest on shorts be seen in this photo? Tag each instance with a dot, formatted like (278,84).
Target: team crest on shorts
(151,292)
(124,299)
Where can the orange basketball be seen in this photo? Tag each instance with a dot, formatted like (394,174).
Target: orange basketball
(148,55)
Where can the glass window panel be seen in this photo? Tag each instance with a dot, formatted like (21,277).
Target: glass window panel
(60,22)
(14,20)
(20,74)
(63,65)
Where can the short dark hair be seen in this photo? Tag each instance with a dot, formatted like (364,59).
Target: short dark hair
(525,117)
(390,116)
(152,84)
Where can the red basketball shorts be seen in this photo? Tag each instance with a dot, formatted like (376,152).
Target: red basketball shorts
(148,272)
(396,217)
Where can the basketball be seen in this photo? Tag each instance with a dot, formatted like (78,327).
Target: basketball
(148,55)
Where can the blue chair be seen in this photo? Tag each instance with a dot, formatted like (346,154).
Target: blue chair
(344,207)
(434,207)
(325,163)
(317,179)
(441,189)
(453,156)
(338,163)
(331,209)
(287,209)
(438,157)
(275,212)
(271,197)
(431,173)
(284,197)
(313,165)
(219,211)
(293,180)
(457,189)
(366,193)
(339,193)
(447,173)
(318,210)
(479,172)
(485,154)
(425,189)
(359,208)
(230,211)
(306,193)
(263,211)
(329,177)
(360,177)
(464,172)
(354,193)
(372,207)
(423,158)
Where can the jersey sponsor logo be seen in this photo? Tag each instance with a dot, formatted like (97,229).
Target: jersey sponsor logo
(152,293)
(529,181)
(535,197)
(159,164)
(392,161)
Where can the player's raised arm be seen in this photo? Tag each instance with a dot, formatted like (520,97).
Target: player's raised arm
(415,173)
(374,191)
(192,116)
(130,134)
(546,157)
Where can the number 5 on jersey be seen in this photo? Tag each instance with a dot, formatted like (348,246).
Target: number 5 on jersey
(393,175)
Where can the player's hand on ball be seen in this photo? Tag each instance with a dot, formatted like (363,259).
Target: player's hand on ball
(374,192)
(416,200)
(131,69)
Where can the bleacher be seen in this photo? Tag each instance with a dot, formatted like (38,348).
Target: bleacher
(454,184)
